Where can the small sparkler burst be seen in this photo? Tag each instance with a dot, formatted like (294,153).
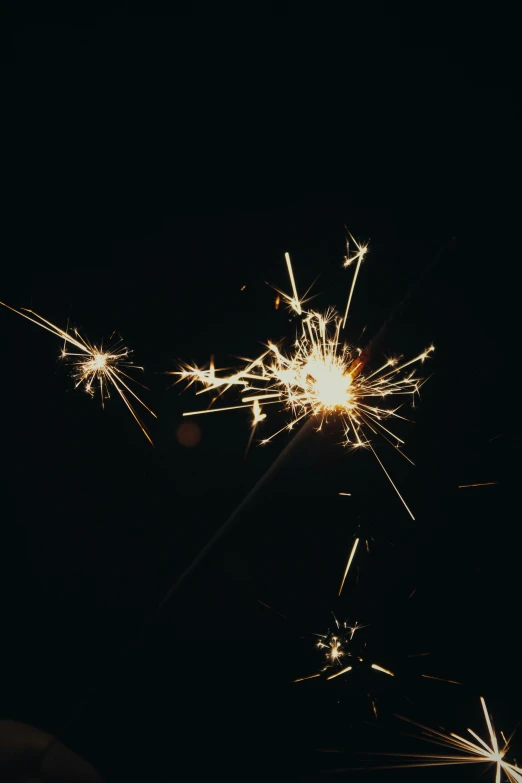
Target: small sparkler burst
(320,376)
(341,653)
(95,368)
(466,751)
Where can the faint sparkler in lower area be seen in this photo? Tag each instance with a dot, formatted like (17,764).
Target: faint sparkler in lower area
(339,651)
(321,376)
(95,368)
(466,751)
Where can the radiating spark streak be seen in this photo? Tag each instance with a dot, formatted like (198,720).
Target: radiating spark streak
(346,494)
(375,420)
(440,679)
(338,674)
(381,669)
(267,606)
(296,304)
(348,564)
(492,734)
(484,484)
(261,397)
(214,410)
(310,677)
(359,256)
(468,752)
(95,365)
(391,482)
(257,414)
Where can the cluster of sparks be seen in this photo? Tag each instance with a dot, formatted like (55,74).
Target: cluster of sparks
(340,653)
(95,368)
(320,376)
(466,751)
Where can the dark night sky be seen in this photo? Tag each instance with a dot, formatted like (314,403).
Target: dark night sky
(157,170)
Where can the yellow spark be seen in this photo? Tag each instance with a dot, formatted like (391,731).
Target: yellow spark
(380,669)
(296,304)
(361,251)
(346,494)
(95,367)
(468,752)
(352,553)
(338,674)
(311,677)
(257,415)
(319,376)
(440,679)
(484,484)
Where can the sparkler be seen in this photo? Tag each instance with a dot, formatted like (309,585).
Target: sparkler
(467,752)
(340,651)
(319,377)
(95,368)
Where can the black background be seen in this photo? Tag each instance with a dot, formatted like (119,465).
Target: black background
(160,169)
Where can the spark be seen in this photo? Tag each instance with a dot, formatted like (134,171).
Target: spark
(311,677)
(381,669)
(257,414)
(294,302)
(352,554)
(468,752)
(338,674)
(267,606)
(335,643)
(484,484)
(95,368)
(346,494)
(361,251)
(319,376)
(440,679)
